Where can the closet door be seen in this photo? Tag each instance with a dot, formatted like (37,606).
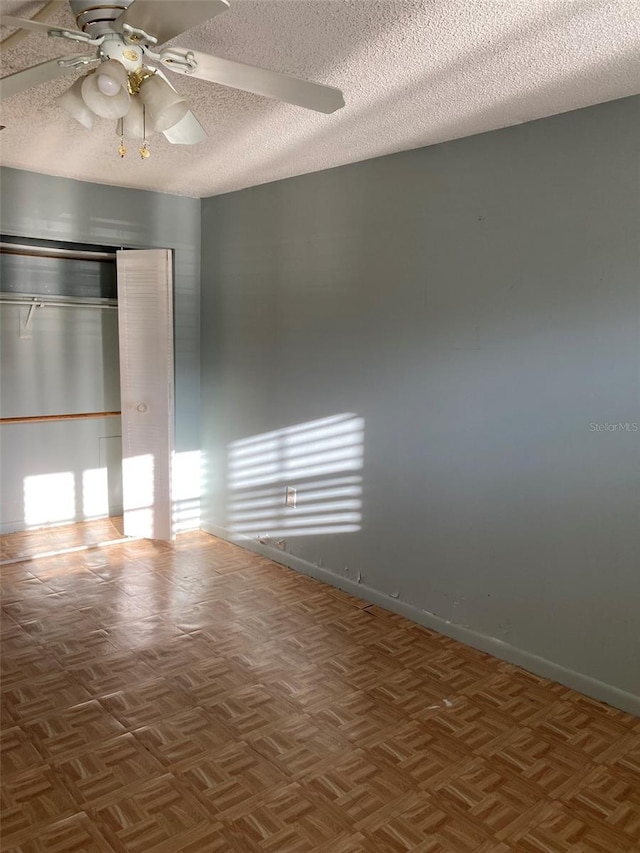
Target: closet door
(145,329)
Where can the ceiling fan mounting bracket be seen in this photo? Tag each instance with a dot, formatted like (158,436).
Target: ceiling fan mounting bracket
(76,61)
(134,35)
(76,35)
(175,59)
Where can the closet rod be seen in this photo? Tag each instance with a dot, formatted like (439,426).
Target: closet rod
(81,416)
(42,303)
(54,252)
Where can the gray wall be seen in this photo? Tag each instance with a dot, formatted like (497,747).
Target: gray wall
(49,208)
(476,304)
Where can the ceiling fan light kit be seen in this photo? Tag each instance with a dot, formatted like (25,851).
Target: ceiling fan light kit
(132,125)
(124,36)
(73,102)
(106,91)
(163,105)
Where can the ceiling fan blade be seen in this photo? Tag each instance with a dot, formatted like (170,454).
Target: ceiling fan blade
(164,20)
(36,26)
(271,84)
(188,131)
(41,15)
(42,73)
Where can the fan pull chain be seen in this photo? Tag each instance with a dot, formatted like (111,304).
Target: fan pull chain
(144,150)
(121,148)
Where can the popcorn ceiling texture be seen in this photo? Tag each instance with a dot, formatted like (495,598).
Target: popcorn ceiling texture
(414,73)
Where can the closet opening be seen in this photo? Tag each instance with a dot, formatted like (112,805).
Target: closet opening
(60,424)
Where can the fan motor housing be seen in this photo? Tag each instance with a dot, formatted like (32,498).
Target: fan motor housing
(113,47)
(95,18)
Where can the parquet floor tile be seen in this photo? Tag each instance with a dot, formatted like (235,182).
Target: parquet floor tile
(246,712)
(111,672)
(30,801)
(43,696)
(18,753)
(72,731)
(76,833)
(556,828)
(105,773)
(147,633)
(22,662)
(58,627)
(226,778)
(195,698)
(183,738)
(602,796)
(158,815)
(297,746)
(145,703)
(420,822)
(553,768)
(356,716)
(282,818)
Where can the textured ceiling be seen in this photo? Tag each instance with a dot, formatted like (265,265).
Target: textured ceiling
(414,72)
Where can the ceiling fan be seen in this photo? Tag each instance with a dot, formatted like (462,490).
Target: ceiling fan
(123,41)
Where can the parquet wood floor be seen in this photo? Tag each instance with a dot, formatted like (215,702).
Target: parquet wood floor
(195,698)
(25,546)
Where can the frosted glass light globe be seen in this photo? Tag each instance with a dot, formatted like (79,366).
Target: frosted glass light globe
(105,91)
(107,85)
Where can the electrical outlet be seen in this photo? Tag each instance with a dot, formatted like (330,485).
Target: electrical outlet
(290,497)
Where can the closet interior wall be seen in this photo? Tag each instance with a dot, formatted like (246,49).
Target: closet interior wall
(59,358)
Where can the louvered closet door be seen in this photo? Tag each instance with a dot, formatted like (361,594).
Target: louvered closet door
(145,323)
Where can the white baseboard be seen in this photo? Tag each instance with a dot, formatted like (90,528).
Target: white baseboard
(531,662)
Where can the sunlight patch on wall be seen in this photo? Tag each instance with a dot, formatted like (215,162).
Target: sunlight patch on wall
(49,499)
(318,459)
(95,493)
(138,498)
(186,490)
